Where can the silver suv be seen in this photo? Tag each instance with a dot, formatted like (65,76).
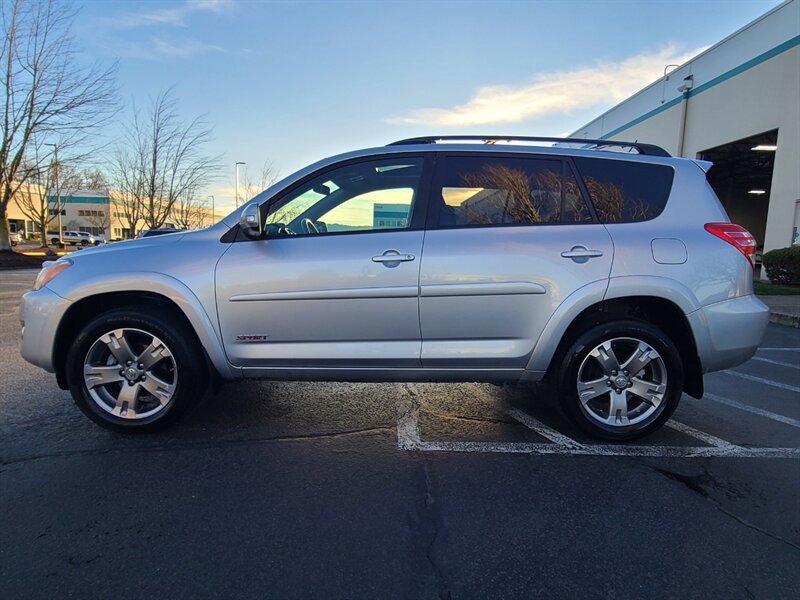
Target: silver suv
(616,276)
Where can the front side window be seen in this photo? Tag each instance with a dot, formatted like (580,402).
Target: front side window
(492,191)
(364,196)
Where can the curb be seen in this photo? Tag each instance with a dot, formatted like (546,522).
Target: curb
(784,319)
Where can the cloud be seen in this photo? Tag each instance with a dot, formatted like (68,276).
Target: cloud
(183,48)
(157,48)
(559,92)
(175,16)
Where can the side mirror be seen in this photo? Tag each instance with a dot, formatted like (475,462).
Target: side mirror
(250,221)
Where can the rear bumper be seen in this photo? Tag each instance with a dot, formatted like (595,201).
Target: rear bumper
(40,313)
(728,333)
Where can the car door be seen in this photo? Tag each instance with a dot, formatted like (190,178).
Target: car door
(334,282)
(509,237)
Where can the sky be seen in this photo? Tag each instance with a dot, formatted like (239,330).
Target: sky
(292,82)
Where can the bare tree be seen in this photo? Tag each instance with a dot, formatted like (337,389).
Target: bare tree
(163,159)
(46,93)
(255,185)
(190,211)
(129,191)
(101,219)
(95,179)
(44,192)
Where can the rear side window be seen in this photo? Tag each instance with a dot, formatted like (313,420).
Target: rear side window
(491,191)
(625,191)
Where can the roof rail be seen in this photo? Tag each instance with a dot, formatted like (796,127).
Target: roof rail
(648,149)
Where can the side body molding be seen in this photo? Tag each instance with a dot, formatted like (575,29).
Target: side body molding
(158,283)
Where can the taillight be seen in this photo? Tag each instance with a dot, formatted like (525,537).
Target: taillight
(736,236)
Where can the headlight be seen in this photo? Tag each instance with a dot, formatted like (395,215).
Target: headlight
(50,270)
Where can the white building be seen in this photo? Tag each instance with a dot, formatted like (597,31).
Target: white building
(738,105)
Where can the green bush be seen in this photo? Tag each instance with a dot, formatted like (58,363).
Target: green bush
(783,265)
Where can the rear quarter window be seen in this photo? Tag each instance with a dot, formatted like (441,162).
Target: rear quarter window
(625,191)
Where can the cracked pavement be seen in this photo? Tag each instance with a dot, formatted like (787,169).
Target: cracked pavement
(299,490)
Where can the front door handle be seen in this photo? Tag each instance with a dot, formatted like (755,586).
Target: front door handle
(580,254)
(393,256)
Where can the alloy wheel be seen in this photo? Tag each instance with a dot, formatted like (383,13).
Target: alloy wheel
(130,373)
(622,382)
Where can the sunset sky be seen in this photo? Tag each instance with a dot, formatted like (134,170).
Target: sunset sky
(293,82)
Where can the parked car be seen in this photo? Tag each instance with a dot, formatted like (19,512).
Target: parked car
(152,232)
(14,237)
(74,238)
(616,277)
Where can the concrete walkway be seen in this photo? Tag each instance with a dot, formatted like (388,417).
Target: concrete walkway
(784,310)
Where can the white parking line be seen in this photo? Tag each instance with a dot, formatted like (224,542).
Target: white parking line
(543,430)
(709,439)
(780,349)
(776,362)
(777,384)
(754,410)
(408,438)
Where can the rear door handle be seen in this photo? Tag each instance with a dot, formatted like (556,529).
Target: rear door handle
(393,256)
(581,254)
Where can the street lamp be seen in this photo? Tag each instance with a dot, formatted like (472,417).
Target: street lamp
(238,162)
(58,194)
(213,212)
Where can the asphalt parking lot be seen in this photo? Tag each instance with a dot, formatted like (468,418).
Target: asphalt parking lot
(296,490)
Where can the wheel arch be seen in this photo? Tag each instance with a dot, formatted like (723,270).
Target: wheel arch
(661,301)
(657,311)
(97,297)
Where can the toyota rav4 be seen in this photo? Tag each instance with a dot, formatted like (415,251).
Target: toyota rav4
(616,276)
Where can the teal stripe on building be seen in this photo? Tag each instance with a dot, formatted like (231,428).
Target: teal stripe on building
(753,62)
(81,199)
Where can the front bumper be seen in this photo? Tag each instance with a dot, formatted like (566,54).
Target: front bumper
(41,312)
(728,333)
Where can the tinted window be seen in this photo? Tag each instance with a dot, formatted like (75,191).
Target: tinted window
(575,209)
(625,191)
(500,191)
(363,196)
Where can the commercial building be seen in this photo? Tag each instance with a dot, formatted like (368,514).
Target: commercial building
(736,104)
(83,210)
(91,211)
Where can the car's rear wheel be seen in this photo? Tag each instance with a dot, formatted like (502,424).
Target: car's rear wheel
(84,242)
(132,370)
(54,241)
(620,380)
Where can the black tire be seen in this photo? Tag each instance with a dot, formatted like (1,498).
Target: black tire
(84,242)
(54,241)
(587,415)
(190,367)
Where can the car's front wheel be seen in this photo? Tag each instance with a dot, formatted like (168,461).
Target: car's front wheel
(620,380)
(132,370)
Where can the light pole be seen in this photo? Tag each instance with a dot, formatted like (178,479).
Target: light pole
(213,212)
(238,162)
(58,194)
